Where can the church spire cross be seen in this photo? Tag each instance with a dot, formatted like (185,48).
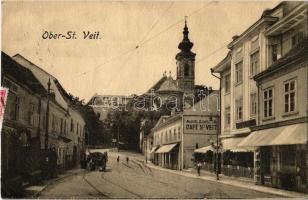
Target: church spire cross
(185,32)
(185,45)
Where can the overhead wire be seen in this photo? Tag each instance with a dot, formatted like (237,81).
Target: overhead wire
(149,39)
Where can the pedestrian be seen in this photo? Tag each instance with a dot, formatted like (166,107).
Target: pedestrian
(127,159)
(199,167)
(118,159)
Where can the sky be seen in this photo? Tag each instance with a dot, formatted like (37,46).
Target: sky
(137,40)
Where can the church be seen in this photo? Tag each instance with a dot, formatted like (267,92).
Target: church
(180,93)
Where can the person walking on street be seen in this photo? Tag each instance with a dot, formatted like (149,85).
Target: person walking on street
(118,159)
(199,167)
(127,159)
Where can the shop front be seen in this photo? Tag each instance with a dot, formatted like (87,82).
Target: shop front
(237,161)
(168,156)
(281,156)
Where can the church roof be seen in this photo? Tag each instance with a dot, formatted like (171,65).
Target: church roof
(157,85)
(169,85)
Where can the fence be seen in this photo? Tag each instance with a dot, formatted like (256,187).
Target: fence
(237,171)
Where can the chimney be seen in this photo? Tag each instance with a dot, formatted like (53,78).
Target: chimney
(235,37)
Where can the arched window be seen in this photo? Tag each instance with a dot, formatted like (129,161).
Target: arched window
(186,70)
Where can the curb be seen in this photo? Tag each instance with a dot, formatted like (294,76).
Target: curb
(280,193)
(52,182)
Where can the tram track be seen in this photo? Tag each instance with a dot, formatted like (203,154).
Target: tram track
(93,186)
(118,185)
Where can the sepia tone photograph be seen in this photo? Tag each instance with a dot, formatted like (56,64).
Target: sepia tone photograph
(154,99)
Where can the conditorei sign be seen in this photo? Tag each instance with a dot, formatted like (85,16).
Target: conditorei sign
(200,124)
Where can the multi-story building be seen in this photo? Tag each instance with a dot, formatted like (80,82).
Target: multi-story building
(247,104)
(280,137)
(21,130)
(66,124)
(176,137)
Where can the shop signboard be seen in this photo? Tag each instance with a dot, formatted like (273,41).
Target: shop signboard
(200,125)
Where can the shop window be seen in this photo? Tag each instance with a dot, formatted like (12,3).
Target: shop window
(254,63)
(239,72)
(268,107)
(287,158)
(290,96)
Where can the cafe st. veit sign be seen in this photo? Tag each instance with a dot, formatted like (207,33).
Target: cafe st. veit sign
(200,125)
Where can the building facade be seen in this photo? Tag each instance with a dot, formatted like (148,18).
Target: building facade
(20,134)
(248,97)
(176,137)
(66,125)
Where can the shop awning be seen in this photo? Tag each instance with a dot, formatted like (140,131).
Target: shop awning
(153,149)
(166,148)
(204,149)
(232,144)
(285,135)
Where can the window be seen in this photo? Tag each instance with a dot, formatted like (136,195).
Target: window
(254,63)
(253,104)
(170,136)
(53,123)
(77,128)
(239,72)
(174,134)
(72,125)
(31,114)
(227,117)
(297,38)
(179,132)
(186,70)
(227,83)
(61,125)
(239,109)
(65,127)
(268,102)
(289,96)
(274,52)
(13,106)
(166,136)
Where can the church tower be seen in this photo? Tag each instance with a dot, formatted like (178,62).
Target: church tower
(185,63)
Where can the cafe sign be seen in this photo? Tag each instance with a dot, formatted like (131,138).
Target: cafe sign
(200,125)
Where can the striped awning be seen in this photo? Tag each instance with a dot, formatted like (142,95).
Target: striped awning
(285,135)
(204,149)
(166,148)
(153,149)
(232,144)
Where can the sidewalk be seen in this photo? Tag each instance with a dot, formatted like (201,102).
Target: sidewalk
(34,191)
(243,183)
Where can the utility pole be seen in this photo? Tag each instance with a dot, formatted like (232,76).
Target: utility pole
(47,115)
(118,144)
(218,125)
